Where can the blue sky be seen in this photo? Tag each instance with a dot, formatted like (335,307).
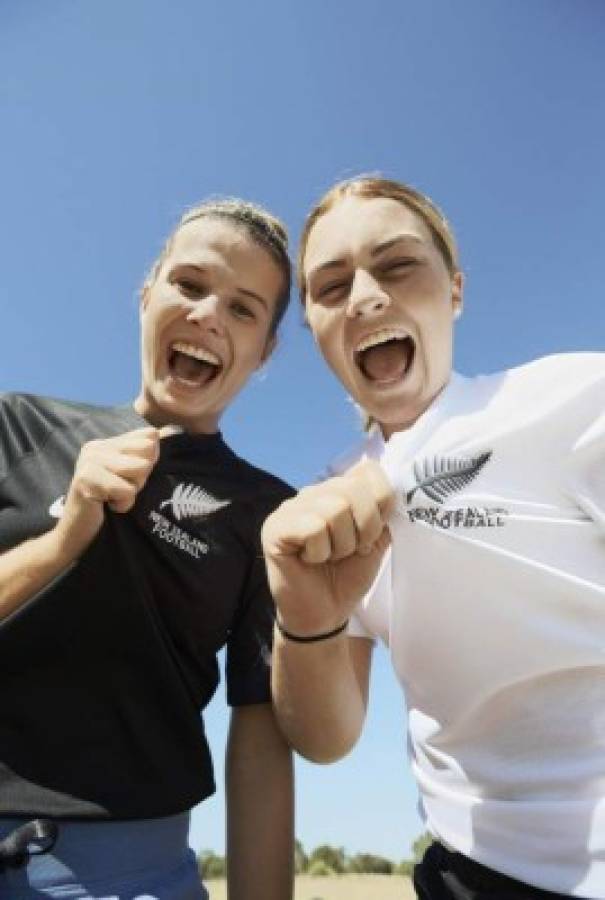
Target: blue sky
(116,116)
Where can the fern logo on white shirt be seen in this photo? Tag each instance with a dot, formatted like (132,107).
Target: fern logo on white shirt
(442,476)
(189,501)
(438,478)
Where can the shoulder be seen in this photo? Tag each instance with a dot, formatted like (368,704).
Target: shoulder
(26,419)
(52,410)
(31,414)
(574,369)
(26,422)
(554,380)
(558,395)
(29,421)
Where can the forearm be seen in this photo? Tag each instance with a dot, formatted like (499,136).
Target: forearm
(320,694)
(323,550)
(260,808)
(29,567)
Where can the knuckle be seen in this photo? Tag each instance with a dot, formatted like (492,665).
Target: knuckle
(315,553)
(316,530)
(345,549)
(335,506)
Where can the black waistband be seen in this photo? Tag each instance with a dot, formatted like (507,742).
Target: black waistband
(477,877)
(31,839)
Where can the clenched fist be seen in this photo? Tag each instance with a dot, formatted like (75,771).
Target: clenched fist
(111,471)
(323,548)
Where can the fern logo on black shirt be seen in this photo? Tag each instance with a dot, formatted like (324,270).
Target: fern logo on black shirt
(189,501)
(440,477)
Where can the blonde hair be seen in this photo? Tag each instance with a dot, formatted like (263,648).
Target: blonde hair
(259,225)
(369,187)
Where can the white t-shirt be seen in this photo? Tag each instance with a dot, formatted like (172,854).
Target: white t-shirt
(492,603)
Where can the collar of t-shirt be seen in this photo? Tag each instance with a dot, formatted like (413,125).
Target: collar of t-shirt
(175,440)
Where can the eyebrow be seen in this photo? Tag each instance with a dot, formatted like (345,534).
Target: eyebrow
(386,245)
(241,290)
(257,297)
(375,251)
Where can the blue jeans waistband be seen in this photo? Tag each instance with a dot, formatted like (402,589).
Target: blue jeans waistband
(91,849)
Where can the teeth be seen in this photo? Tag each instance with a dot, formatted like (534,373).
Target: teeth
(196,352)
(381,337)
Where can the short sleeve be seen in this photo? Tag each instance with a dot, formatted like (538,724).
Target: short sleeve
(248,667)
(250,642)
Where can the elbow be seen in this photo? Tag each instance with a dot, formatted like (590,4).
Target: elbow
(323,749)
(327,756)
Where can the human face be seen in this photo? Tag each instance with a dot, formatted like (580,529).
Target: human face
(380,303)
(205,324)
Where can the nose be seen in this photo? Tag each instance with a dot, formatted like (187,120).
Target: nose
(367,298)
(207,313)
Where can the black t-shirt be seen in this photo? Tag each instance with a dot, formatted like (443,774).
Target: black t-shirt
(105,671)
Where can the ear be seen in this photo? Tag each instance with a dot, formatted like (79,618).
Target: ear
(268,350)
(457,295)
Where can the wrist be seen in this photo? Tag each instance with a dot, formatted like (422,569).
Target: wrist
(310,637)
(62,546)
(69,539)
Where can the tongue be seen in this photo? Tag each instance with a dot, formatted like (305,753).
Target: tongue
(193,370)
(386,362)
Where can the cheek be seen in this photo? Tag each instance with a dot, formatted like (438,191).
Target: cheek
(159,314)
(250,353)
(149,325)
(335,357)
(325,330)
(328,346)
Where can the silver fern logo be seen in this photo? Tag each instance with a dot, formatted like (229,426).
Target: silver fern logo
(189,501)
(440,477)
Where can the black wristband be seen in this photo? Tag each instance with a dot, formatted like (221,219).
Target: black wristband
(310,638)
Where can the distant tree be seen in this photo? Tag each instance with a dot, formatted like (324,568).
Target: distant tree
(318,867)
(301,860)
(405,867)
(211,865)
(333,857)
(368,862)
(420,845)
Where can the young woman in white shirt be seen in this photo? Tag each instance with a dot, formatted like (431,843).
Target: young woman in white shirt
(490,493)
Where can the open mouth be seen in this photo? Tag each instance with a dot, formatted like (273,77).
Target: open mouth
(385,356)
(191,365)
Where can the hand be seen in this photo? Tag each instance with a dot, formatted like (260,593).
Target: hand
(323,548)
(110,471)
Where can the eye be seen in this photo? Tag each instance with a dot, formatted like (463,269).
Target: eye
(397,266)
(332,290)
(241,310)
(190,288)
